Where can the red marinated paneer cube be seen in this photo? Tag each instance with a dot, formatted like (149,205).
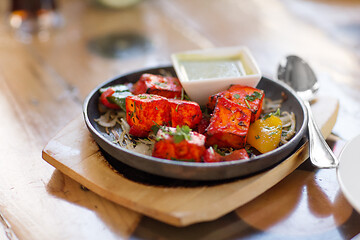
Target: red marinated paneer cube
(248,97)
(179,144)
(229,125)
(144,111)
(213,99)
(168,87)
(184,113)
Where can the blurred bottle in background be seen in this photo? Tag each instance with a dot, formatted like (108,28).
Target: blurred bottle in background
(30,17)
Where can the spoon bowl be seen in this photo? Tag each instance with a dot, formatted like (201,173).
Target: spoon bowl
(295,72)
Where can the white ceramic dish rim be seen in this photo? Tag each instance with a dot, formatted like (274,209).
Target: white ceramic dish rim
(212,85)
(219,52)
(348,169)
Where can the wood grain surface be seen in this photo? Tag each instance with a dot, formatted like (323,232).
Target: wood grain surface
(44,80)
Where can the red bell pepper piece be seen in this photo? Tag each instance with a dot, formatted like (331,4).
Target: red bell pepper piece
(105,102)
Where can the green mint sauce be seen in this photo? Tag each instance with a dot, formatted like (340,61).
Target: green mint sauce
(208,69)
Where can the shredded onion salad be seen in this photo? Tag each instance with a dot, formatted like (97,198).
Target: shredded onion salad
(287,119)
(114,122)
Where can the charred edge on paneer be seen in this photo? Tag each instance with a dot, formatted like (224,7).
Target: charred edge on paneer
(229,125)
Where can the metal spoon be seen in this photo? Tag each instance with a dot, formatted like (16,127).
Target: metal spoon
(295,72)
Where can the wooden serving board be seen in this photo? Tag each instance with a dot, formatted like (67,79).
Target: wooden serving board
(74,152)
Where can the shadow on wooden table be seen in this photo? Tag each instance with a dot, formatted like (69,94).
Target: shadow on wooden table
(301,206)
(120,220)
(246,222)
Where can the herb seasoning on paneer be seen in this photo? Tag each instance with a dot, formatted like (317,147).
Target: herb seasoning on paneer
(159,122)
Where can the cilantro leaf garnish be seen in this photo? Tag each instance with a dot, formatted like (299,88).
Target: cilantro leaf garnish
(253,96)
(247,104)
(277,114)
(155,128)
(180,134)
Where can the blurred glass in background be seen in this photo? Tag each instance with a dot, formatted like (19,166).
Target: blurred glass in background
(118,41)
(29,18)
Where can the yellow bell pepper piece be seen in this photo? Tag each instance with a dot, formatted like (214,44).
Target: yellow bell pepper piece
(265,134)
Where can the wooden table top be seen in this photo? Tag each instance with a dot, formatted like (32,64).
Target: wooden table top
(44,80)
